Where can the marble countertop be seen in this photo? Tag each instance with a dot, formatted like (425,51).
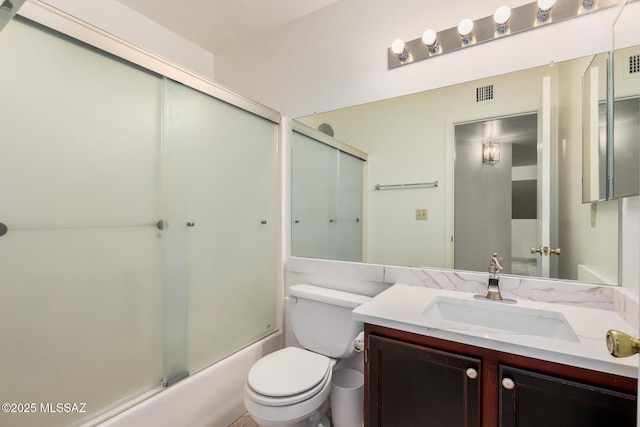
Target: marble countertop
(403,307)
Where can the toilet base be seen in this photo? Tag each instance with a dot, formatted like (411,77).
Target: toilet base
(319,418)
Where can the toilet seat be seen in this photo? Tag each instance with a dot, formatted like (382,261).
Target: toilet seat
(288,376)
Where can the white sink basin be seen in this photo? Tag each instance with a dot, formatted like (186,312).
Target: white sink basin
(496,317)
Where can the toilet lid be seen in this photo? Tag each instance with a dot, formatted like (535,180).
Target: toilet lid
(288,372)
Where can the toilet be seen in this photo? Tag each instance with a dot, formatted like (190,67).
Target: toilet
(290,387)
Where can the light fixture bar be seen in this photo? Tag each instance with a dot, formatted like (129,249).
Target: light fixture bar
(522,19)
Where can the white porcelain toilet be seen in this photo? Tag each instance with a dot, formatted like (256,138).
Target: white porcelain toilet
(290,387)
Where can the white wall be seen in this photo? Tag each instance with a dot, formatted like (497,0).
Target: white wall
(631,243)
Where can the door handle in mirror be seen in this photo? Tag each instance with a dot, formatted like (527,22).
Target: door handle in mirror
(545,250)
(620,344)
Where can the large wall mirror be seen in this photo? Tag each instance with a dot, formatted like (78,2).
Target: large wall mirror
(527,196)
(456,173)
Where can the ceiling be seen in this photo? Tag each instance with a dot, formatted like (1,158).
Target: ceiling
(216,24)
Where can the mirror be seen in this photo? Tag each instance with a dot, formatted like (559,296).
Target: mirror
(626,106)
(595,116)
(611,112)
(411,140)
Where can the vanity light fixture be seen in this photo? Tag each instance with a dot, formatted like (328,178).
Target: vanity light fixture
(397,47)
(491,152)
(501,17)
(544,9)
(465,28)
(502,23)
(429,38)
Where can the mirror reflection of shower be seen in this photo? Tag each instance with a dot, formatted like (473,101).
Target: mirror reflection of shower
(496,201)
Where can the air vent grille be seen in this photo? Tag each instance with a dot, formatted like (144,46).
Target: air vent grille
(484,93)
(634,64)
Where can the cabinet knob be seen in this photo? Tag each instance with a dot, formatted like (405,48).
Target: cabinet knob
(508,383)
(472,373)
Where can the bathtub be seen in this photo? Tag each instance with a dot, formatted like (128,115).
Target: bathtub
(212,397)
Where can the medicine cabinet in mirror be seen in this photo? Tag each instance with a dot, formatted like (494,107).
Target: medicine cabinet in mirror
(611,128)
(626,100)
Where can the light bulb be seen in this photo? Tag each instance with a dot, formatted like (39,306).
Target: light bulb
(397,46)
(546,5)
(465,27)
(502,15)
(429,37)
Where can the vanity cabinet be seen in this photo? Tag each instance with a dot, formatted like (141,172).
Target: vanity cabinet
(529,398)
(415,380)
(415,386)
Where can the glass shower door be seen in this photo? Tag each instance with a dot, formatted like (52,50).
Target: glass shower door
(138,228)
(222,162)
(80,295)
(350,185)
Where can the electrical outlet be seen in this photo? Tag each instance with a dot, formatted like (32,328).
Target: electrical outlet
(421,214)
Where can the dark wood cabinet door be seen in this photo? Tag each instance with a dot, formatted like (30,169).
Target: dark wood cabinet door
(411,385)
(541,400)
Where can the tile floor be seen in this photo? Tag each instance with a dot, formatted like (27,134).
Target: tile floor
(244,421)
(523,266)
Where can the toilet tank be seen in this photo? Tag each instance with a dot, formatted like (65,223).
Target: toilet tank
(321,319)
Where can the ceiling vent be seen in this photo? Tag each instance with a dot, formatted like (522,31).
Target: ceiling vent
(634,64)
(484,93)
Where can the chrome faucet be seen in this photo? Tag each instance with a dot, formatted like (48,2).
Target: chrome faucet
(493,287)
